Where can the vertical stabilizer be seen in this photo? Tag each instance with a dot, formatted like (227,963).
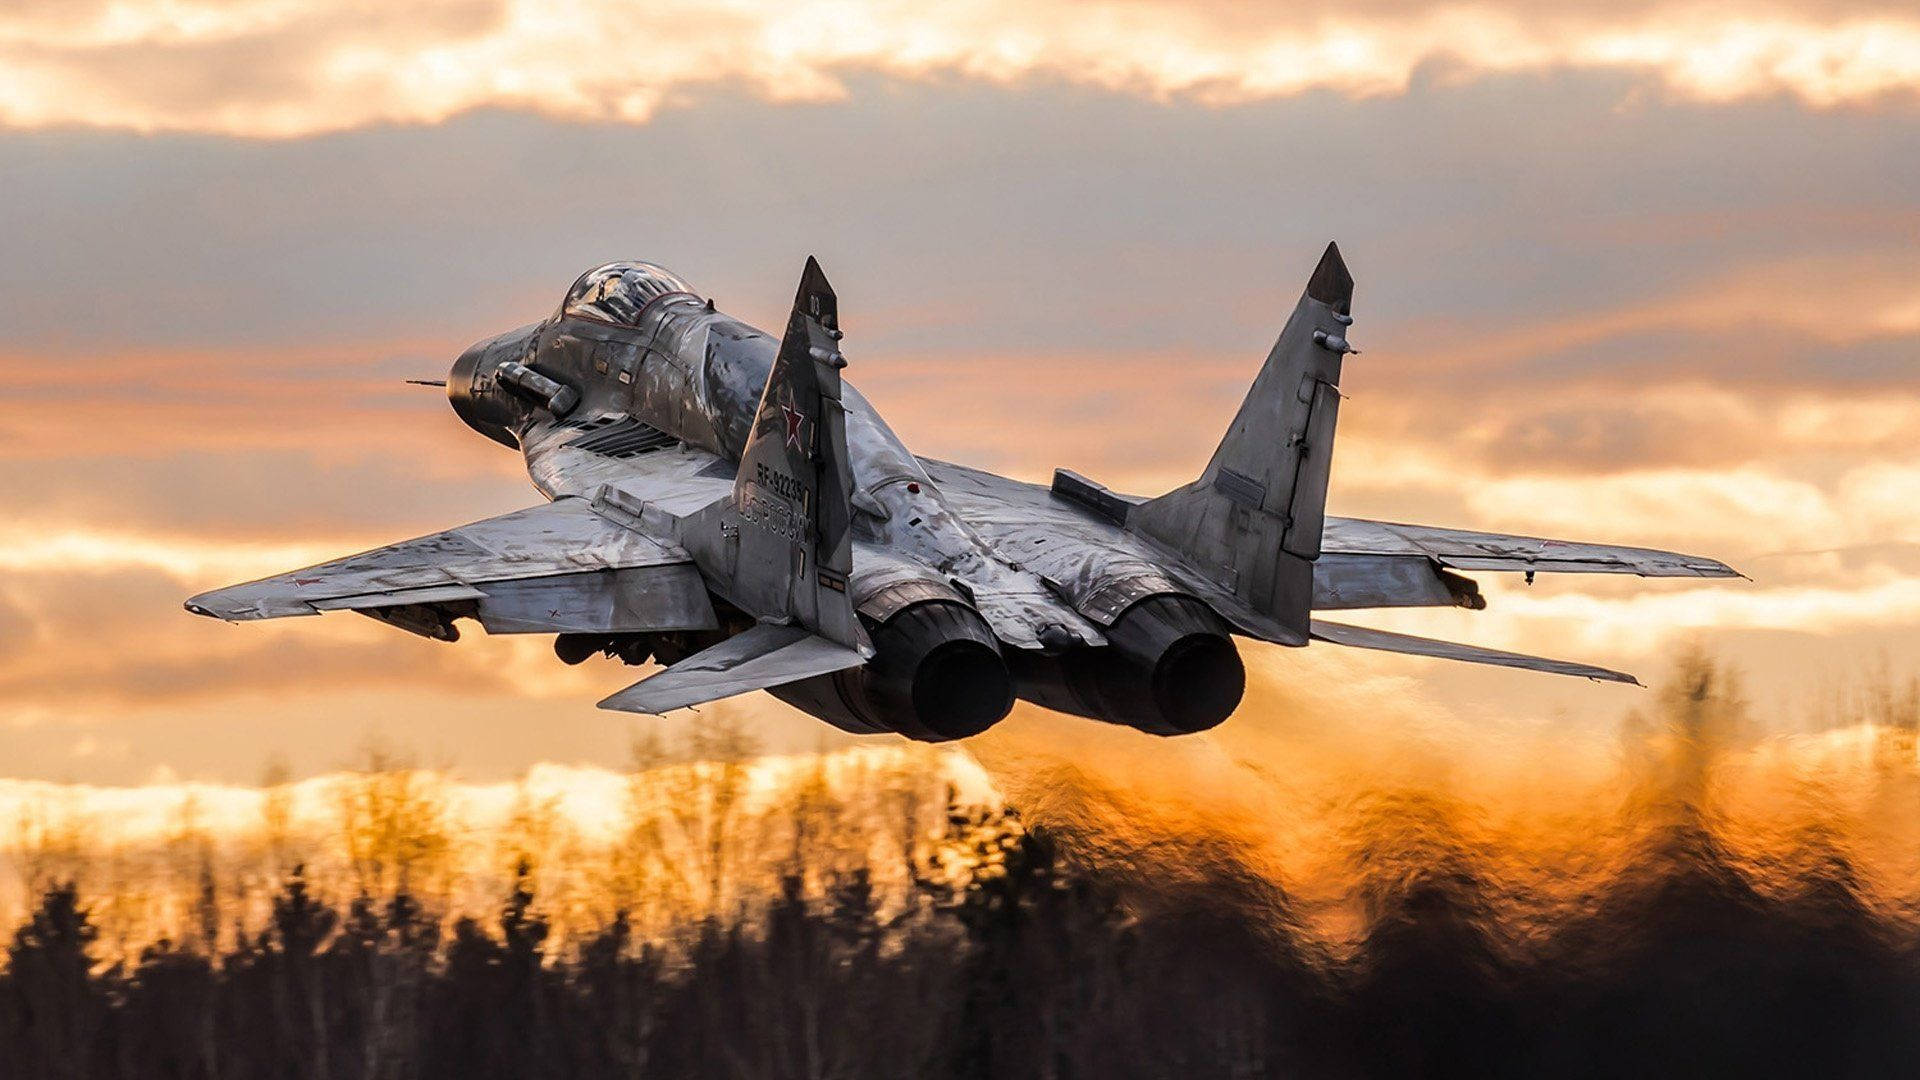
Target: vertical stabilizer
(789,517)
(1252,522)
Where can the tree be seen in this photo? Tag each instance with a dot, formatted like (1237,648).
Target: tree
(55,1009)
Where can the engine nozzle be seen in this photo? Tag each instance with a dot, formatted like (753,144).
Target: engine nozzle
(1170,668)
(936,675)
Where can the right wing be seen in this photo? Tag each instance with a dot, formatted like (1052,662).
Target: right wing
(564,567)
(1366,564)
(1461,549)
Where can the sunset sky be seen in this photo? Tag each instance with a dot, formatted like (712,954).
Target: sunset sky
(1641,272)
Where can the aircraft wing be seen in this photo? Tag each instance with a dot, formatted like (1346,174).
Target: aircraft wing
(1459,549)
(565,567)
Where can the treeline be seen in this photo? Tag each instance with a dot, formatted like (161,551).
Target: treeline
(703,825)
(1010,960)
(1727,908)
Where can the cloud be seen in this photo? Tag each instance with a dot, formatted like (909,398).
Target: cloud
(281,68)
(1818,301)
(26,549)
(1652,622)
(80,642)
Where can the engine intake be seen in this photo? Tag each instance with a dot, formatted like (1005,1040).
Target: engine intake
(936,675)
(1170,668)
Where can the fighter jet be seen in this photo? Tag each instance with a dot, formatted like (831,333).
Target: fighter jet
(724,504)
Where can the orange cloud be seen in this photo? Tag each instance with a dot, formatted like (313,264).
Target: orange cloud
(280,68)
(1836,301)
(1654,621)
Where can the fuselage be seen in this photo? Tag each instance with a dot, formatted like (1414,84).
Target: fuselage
(631,342)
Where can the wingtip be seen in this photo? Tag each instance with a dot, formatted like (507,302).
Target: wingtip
(1711,568)
(1332,282)
(1601,674)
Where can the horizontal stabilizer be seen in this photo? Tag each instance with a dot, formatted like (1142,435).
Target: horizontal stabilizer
(767,655)
(1360,637)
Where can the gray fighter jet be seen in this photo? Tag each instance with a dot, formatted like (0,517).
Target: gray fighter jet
(721,503)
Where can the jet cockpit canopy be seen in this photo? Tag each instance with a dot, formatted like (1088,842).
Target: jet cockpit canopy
(618,292)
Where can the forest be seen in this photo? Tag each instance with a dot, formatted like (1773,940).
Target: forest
(1726,904)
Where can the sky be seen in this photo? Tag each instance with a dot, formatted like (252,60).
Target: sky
(1640,272)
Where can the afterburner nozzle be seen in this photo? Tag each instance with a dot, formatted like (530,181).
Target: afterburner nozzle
(1170,668)
(937,674)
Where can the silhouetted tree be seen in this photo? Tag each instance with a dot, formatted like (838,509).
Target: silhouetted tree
(55,1008)
(1040,938)
(168,1020)
(1016,952)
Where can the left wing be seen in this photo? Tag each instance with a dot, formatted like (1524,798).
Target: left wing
(559,568)
(1362,563)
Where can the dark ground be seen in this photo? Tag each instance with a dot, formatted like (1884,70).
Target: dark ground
(1044,970)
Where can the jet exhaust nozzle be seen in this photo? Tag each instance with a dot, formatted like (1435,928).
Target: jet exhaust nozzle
(1170,668)
(937,674)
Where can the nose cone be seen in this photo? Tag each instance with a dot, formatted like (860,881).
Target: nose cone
(475,392)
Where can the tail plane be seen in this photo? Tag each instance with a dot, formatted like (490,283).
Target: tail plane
(780,547)
(1253,521)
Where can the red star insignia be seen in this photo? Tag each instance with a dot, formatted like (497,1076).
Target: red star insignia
(796,420)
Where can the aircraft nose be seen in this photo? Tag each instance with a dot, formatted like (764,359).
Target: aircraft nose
(474,392)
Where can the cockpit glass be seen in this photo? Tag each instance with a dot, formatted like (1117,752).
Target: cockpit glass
(619,292)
